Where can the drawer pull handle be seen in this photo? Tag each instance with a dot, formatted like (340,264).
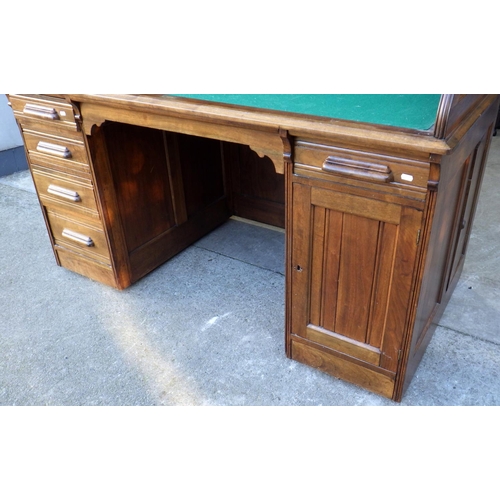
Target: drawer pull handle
(53,149)
(358,169)
(79,238)
(64,193)
(41,111)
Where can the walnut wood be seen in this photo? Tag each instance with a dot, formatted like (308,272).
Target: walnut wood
(57,148)
(377,218)
(173,185)
(264,139)
(219,121)
(361,254)
(288,157)
(60,222)
(141,182)
(57,110)
(340,343)
(444,241)
(342,366)
(257,191)
(313,160)
(362,170)
(200,162)
(90,268)
(160,249)
(86,204)
(173,156)
(452,110)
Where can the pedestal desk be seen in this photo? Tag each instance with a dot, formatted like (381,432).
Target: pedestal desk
(376,193)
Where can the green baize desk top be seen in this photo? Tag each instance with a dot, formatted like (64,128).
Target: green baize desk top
(413,111)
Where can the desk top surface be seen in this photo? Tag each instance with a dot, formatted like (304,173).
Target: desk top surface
(413,111)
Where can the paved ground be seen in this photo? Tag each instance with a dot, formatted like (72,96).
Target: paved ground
(207,327)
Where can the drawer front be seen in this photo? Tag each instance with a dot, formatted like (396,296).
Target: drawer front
(54,129)
(98,271)
(59,148)
(66,192)
(70,168)
(46,109)
(355,167)
(79,237)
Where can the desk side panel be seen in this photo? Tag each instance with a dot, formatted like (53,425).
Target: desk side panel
(450,215)
(160,192)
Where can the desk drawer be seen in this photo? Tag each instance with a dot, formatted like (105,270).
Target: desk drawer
(78,236)
(30,125)
(47,109)
(58,148)
(64,167)
(98,271)
(355,167)
(66,192)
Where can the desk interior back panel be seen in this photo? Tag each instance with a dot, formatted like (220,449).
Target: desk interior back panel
(256,191)
(200,162)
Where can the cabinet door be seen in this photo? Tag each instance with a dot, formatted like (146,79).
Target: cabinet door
(353,262)
(472,172)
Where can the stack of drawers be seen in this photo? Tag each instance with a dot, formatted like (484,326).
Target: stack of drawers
(59,162)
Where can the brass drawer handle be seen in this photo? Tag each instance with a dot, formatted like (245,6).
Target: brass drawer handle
(53,149)
(41,111)
(77,237)
(64,193)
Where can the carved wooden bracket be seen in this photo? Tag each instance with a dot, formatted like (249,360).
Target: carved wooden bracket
(88,125)
(264,144)
(277,148)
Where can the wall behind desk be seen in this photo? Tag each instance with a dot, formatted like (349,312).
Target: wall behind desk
(12,157)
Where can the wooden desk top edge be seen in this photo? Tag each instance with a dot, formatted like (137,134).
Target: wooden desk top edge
(302,126)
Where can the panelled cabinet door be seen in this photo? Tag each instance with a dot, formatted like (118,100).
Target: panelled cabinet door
(472,171)
(353,262)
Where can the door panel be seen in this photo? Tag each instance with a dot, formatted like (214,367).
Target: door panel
(472,172)
(353,261)
(355,282)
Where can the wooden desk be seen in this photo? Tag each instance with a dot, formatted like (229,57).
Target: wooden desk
(377,195)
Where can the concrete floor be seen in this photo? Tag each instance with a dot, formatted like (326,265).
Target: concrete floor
(207,327)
